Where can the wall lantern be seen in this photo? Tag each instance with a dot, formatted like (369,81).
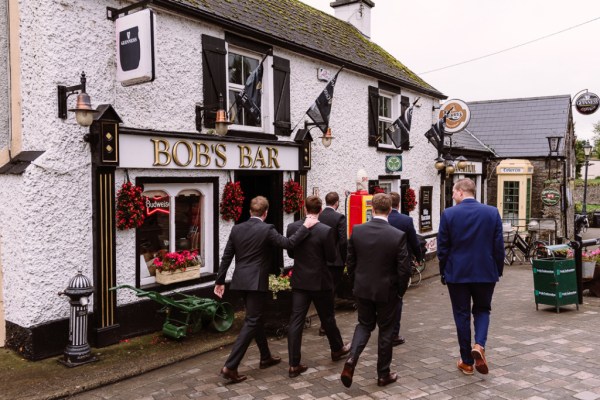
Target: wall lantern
(440,163)
(222,122)
(326,139)
(553,144)
(587,149)
(462,162)
(84,113)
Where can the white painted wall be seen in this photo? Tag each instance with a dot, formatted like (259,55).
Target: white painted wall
(46,217)
(4,96)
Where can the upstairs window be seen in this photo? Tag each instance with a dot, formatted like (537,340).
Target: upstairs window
(385,119)
(239,68)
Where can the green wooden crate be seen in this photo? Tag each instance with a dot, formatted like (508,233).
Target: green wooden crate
(555,282)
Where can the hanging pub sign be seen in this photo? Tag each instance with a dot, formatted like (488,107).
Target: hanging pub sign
(587,103)
(135,47)
(425,194)
(459,115)
(550,197)
(157,204)
(393,164)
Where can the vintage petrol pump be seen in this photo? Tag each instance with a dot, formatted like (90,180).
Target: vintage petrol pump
(358,204)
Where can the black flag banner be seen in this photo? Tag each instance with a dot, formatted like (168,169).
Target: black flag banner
(321,109)
(436,134)
(399,130)
(249,98)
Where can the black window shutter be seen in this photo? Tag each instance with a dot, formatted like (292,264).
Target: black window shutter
(404,104)
(214,76)
(373,115)
(281,88)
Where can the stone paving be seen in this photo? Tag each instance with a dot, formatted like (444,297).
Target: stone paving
(532,355)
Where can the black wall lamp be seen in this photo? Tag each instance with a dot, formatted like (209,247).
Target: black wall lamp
(84,113)
(211,113)
(327,137)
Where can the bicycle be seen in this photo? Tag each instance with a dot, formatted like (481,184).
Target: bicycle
(528,248)
(416,270)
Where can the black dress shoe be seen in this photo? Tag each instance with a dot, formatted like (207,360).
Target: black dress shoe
(338,355)
(232,375)
(348,372)
(398,340)
(386,380)
(269,362)
(295,371)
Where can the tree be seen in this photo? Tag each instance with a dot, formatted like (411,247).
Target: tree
(579,157)
(596,138)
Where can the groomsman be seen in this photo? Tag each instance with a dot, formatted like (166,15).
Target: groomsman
(337,221)
(378,262)
(312,281)
(253,243)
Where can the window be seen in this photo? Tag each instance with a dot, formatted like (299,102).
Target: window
(179,216)
(384,109)
(385,118)
(239,68)
(510,209)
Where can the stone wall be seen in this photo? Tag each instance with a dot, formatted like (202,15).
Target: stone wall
(592,197)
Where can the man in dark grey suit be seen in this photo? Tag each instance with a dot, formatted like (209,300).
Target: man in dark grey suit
(253,244)
(312,281)
(379,265)
(405,224)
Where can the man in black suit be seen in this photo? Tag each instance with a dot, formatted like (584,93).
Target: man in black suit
(253,244)
(405,224)
(379,265)
(312,281)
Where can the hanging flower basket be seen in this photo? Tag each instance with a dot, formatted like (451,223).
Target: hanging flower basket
(410,199)
(130,207)
(232,201)
(292,197)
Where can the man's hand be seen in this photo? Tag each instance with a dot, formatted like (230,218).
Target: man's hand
(443,279)
(219,290)
(310,221)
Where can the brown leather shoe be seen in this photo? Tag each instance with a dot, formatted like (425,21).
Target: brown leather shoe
(348,372)
(478,354)
(398,340)
(386,380)
(338,355)
(465,368)
(232,375)
(295,371)
(269,362)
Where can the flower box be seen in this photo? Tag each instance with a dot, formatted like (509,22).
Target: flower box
(588,269)
(169,277)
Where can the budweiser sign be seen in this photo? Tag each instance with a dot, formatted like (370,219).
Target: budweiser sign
(157,204)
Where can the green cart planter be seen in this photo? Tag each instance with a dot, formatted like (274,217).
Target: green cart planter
(188,314)
(555,282)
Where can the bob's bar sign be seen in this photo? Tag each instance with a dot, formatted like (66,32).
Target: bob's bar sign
(587,103)
(135,48)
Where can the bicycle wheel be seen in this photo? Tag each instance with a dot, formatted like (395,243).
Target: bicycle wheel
(509,254)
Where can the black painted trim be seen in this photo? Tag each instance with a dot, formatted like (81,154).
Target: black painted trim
(389,88)
(389,177)
(246,43)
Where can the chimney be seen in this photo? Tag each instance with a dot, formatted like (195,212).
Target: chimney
(356,12)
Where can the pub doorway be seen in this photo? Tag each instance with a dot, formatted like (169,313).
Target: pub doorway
(270,185)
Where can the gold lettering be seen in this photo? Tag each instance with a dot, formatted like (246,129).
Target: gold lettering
(245,152)
(259,157)
(158,152)
(176,157)
(272,156)
(202,156)
(220,151)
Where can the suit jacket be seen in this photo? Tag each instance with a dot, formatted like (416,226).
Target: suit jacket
(405,224)
(378,261)
(311,258)
(337,221)
(253,243)
(470,245)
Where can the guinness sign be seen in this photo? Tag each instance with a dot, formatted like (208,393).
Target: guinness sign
(135,48)
(587,103)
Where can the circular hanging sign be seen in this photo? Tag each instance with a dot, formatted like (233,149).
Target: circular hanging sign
(587,103)
(550,197)
(393,163)
(459,115)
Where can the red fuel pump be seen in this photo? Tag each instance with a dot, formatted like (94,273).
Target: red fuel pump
(358,209)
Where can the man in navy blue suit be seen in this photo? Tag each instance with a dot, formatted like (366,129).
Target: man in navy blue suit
(471,253)
(405,224)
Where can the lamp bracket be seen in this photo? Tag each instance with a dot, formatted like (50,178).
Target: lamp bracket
(113,13)
(65,91)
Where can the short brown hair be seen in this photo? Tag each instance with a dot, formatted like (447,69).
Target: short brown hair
(382,203)
(466,185)
(313,204)
(332,198)
(395,200)
(258,206)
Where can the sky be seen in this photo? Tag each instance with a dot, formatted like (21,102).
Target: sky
(427,35)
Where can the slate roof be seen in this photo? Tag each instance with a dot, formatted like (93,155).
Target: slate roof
(466,140)
(299,27)
(516,128)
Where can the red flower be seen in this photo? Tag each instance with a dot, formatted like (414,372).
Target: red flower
(410,199)
(232,201)
(293,197)
(130,206)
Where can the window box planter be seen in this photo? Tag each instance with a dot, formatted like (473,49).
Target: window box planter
(169,277)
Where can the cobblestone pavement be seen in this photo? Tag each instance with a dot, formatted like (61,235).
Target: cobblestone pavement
(532,355)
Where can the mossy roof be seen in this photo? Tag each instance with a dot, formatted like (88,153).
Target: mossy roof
(295,25)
